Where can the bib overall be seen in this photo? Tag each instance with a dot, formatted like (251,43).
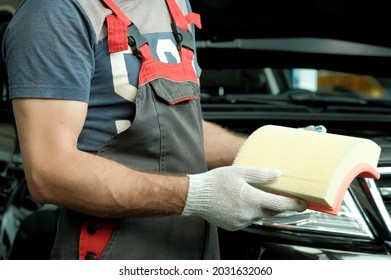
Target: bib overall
(165,137)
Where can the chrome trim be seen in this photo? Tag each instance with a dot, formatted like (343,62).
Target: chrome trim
(314,222)
(377,196)
(386,192)
(353,208)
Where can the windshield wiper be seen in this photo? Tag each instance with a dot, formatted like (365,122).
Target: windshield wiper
(303,95)
(257,98)
(344,99)
(304,99)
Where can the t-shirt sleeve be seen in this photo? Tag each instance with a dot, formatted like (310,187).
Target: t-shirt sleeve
(48,51)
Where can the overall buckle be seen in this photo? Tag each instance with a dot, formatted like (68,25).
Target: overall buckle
(182,37)
(135,38)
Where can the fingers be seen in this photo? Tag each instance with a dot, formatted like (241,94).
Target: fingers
(280,203)
(266,200)
(273,202)
(257,175)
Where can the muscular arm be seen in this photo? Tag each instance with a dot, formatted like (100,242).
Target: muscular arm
(221,145)
(58,173)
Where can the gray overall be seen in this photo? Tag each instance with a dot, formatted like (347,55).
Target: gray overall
(166,136)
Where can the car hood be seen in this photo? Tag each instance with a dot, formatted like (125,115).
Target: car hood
(343,35)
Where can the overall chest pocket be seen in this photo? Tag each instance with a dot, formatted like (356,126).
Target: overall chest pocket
(173,93)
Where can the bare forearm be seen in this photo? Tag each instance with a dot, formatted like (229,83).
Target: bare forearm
(100,187)
(58,173)
(221,145)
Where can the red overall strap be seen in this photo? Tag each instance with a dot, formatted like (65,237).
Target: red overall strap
(181,20)
(94,236)
(183,71)
(194,19)
(117,25)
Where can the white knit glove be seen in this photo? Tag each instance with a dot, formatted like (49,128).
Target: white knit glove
(224,197)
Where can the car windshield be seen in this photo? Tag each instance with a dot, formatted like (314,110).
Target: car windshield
(267,81)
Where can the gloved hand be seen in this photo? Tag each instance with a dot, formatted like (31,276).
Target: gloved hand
(224,197)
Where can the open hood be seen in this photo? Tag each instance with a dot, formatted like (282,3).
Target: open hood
(342,34)
(359,20)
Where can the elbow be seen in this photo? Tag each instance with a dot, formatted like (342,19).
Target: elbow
(37,184)
(46,177)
